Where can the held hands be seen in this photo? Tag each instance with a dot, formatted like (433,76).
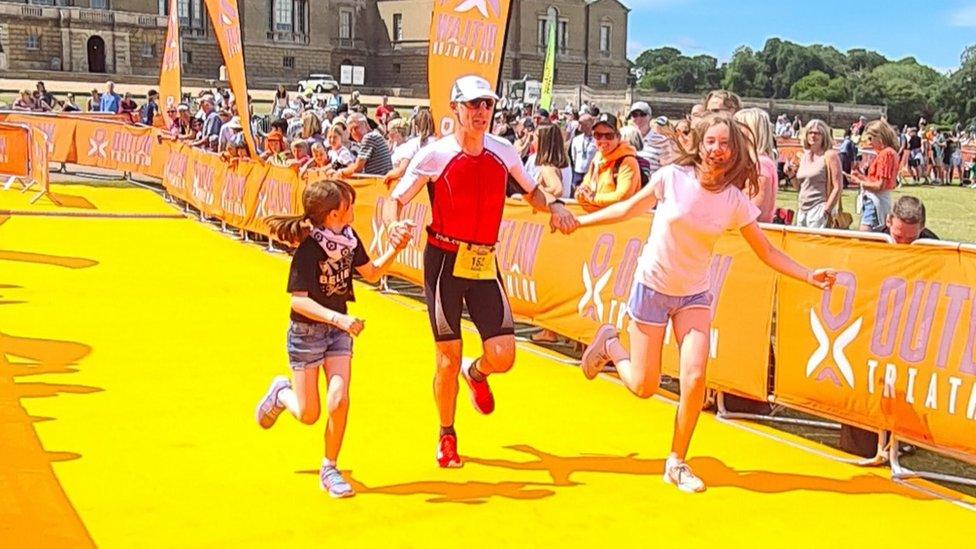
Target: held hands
(822,278)
(351,324)
(400,233)
(562,220)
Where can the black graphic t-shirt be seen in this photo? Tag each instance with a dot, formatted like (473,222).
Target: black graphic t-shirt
(326,276)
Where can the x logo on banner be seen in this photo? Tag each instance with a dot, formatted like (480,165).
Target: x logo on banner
(379,231)
(592,291)
(840,344)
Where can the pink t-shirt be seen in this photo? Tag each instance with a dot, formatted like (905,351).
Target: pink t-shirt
(767,201)
(687,223)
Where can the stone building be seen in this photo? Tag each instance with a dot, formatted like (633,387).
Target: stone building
(285,40)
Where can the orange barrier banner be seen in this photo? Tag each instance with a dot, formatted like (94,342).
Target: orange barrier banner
(118,147)
(59,131)
(170,78)
(39,161)
(890,347)
(466,37)
(14,150)
(226,24)
(280,194)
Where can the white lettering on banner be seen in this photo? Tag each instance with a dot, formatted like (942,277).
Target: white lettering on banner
(3,150)
(899,383)
(903,337)
(132,149)
(232,195)
(275,198)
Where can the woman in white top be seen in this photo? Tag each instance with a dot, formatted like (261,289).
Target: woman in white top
(280,102)
(698,198)
(339,155)
(423,135)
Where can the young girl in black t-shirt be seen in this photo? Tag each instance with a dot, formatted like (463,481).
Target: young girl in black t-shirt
(321,331)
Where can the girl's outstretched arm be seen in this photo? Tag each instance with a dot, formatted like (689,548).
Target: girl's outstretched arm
(782,263)
(641,202)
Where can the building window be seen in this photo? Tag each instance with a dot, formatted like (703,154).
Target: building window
(99,4)
(33,42)
(283,15)
(541,29)
(345,24)
(191,14)
(288,62)
(148,49)
(604,78)
(301,21)
(562,35)
(396,68)
(605,37)
(187,56)
(397,27)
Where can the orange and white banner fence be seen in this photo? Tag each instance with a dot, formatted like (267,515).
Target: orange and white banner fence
(891,347)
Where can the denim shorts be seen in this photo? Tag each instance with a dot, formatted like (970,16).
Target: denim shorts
(869,215)
(310,344)
(650,307)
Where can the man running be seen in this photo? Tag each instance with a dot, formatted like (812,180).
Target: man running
(465,174)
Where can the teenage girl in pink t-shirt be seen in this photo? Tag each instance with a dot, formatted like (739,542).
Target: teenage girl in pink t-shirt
(698,198)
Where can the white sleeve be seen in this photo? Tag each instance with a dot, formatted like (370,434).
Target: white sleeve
(506,151)
(420,170)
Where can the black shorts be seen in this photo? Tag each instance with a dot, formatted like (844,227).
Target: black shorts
(447,294)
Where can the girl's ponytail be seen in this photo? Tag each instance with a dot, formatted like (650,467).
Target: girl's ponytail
(319,199)
(288,228)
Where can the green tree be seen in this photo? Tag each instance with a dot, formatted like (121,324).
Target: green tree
(818,86)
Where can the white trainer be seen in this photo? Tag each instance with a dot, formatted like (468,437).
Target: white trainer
(679,474)
(595,357)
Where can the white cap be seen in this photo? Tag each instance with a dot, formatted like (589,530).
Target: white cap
(639,106)
(468,88)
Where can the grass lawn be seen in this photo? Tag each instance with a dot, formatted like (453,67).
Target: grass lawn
(950,210)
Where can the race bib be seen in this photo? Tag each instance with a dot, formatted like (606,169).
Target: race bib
(475,262)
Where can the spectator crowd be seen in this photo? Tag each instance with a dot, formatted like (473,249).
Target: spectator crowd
(595,157)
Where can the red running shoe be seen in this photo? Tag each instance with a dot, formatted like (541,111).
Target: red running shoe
(481,397)
(447,456)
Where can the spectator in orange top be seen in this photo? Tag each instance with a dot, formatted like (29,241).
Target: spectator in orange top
(614,174)
(274,142)
(882,175)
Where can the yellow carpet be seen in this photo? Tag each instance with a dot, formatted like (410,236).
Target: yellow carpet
(133,352)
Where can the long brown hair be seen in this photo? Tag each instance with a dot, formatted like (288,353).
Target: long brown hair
(551,148)
(740,170)
(423,125)
(319,199)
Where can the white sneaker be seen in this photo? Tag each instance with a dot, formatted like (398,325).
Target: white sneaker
(679,474)
(270,407)
(595,357)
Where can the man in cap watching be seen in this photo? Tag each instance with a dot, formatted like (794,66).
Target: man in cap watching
(466,175)
(582,149)
(657,148)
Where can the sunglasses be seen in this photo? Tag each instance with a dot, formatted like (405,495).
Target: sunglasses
(483,103)
(638,114)
(604,136)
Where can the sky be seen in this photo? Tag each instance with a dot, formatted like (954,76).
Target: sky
(934,33)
